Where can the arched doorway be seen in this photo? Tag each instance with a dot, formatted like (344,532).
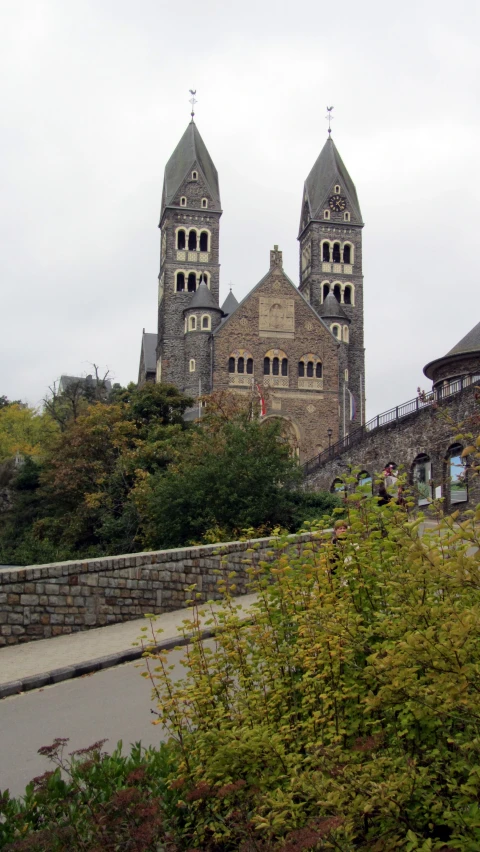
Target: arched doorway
(290,433)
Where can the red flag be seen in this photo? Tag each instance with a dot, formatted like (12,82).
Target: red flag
(263,407)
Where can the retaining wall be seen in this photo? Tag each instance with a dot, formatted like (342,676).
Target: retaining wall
(37,602)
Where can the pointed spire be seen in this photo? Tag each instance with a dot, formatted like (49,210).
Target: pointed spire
(329,170)
(202,298)
(332,309)
(190,152)
(229,304)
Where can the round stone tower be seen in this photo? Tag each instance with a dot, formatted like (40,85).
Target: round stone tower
(202,316)
(462,360)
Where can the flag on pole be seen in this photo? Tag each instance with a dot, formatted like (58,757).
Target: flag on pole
(263,407)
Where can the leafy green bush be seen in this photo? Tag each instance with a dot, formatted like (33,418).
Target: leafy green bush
(348,708)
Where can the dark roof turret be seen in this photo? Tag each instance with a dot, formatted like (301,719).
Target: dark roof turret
(229,304)
(202,299)
(191,151)
(331,309)
(329,170)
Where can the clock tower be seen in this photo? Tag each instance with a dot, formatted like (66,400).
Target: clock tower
(330,239)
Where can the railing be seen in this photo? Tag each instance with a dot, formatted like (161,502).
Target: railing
(393,415)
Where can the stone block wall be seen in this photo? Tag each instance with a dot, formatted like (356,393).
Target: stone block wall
(38,602)
(429,431)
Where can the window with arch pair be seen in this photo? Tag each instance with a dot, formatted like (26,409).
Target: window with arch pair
(188,282)
(192,240)
(203,323)
(342,292)
(340,332)
(337,252)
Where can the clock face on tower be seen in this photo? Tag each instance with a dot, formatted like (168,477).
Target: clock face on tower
(337,203)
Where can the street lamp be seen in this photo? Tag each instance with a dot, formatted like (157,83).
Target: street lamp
(329,433)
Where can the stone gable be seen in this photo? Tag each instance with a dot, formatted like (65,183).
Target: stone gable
(275,321)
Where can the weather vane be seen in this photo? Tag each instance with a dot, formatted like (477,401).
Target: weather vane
(193,92)
(329,118)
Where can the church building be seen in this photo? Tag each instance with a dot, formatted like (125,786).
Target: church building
(301,349)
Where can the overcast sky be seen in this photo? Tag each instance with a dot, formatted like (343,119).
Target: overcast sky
(94,98)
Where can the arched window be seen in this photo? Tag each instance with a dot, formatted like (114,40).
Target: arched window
(204,203)
(238,361)
(422,479)
(346,217)
(204,241)
(346,334)
(347,252)
(326,252)
(326,214)
(275,367)
(309,369)
(192,282)
(337,292)
(180,239)
(337,189)
(194,175)
(457,475)
(284,367)
(326,291)
(192,241)
(204,278)
(337,486)
(335,329)
(192,323)
(336,252)
(266,366)
(206,322)
(183,201)
(365,483)
(180,283)
(192,365)
(347,294)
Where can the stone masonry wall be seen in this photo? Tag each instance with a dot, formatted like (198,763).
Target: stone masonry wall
(430,431)
(65,597)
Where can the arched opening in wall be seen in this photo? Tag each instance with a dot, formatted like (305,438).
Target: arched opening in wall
(326,291)
(231,365)
(206,323)
(338,487)
(365,483)
(422,479)
(301,369)
(275,367)
(289,433)
(336,252)
(335,329)
(266,366)
(309,369)
(180,239)
(250,366)
(284,367)
(326,252)
(192,241)
(204,279)
(346,253)
(204,241)
(180,282)
(192,282)
(337,292)
(241,365)
(318,370)
(456,475)
(347,295)
(192,323)
(346,334)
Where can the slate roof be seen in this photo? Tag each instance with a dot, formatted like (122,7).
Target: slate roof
(328,170)
(332,309)
(229,304)
(469,343)
(191,149)
(149,345)
(202,298)
(83,381)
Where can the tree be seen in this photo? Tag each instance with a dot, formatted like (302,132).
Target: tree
(24,431)
(76,394)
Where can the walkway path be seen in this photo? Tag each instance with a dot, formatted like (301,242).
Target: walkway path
(36,664)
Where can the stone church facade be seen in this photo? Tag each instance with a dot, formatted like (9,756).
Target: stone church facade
(301,349)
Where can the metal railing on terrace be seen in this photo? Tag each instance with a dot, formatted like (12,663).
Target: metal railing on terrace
(393,415)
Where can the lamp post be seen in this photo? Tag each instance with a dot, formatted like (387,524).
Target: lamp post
(329,433)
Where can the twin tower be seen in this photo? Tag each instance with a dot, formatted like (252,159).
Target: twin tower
(301,349)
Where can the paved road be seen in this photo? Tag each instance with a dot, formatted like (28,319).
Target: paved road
(113,703)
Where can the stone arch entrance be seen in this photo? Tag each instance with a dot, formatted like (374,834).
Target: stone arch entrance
(290,433)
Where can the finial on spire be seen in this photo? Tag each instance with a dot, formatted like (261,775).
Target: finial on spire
(329,118)
(193,92)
